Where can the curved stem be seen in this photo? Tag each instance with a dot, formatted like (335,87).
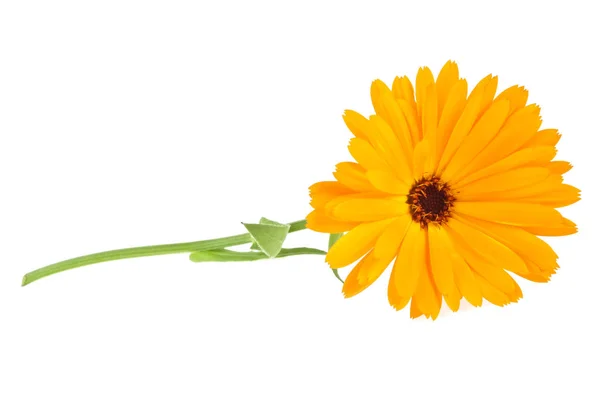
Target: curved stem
(146,251)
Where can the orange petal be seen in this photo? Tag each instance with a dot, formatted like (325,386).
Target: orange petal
(396,300)
(523,157)
(496,296)
(453,109)
(323,192)
(465,280)
(480,136)
(566,227)
(318,221)
(559,167)
(357,124)
(410,261)
(446,79)
(424,79)
(490,85)
(427,298)
(385,181)
(518,240)
(402,89)
(390,148)
(453,299)
(547,137)
(516,95)
(368,269)
(353,176)
(378,88)
(492,272)
(464,124)
(354,244)
(440,251)
(412,119)
(366,156)
(395,119)
(488,187)
(389,242)
(510,213)
(369,209)
(560,196)
(430,122)
(516,132)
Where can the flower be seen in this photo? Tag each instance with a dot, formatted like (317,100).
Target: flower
(455,188)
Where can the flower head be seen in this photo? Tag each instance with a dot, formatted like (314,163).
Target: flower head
(453,187)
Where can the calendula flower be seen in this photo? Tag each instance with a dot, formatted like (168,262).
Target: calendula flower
(455,187)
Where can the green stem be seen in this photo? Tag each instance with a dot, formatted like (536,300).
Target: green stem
(230,255)
(146,251)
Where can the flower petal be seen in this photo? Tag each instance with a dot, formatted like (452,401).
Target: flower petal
(492,271)
(385,181)
(510,213)
(444,83)
(357,124)
(319,221)
(430,122)
(410,261)
(427,298)
(368,269)
(354,244)
(547,137)
(323,192)
(353,176)
(560,196)
(464,124)
(396,120)
(496,296)
(390,148)
(518,240)
(389,242)
(517,97)
(516,132)
(565,228)
(412,120)
(559,167)
(366,156)
(440,250)
(424,79)
(369,209)
(523,157)
(480,136)
(488,187)
(452,299)
(465,280)
(453,109)
(490,249)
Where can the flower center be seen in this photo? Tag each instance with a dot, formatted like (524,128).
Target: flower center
(430,200)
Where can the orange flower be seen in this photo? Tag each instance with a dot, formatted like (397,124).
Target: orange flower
(454,187)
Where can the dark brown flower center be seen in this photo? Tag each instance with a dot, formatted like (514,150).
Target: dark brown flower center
(430,200)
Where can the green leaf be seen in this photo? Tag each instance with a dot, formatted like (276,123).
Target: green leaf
(268,235)
(332,239)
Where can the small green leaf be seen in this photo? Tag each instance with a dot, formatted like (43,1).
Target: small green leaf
(268,235)
(265,221)
(332,239)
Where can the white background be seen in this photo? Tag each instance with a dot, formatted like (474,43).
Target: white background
(133,123)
